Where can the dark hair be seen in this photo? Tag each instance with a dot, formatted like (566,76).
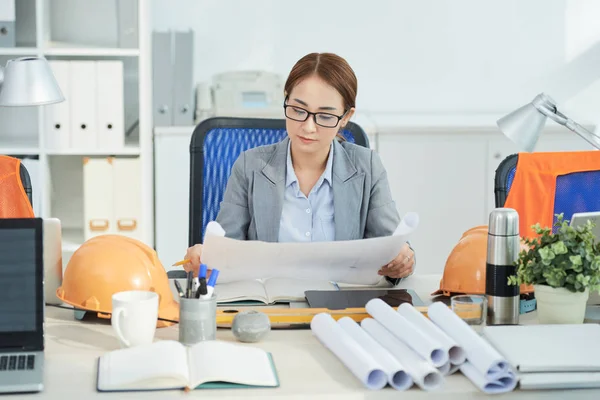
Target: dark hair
(330,67)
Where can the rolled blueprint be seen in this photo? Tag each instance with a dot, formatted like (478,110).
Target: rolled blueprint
(445,369)
(453,368)
(349,352)
(397,376)
(423,344)
(505,382)
(425,375)
(456,354)
(479,352)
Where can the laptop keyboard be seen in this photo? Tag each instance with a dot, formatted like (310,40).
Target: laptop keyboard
(17,362)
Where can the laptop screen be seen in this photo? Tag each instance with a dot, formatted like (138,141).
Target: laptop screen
(21,281)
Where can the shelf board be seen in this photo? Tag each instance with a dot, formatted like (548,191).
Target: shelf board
(126,151)
(18,51)
(25,146)
(73,49)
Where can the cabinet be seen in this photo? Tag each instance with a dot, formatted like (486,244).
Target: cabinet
(108,40)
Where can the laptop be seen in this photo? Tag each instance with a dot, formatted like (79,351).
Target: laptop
(21,305)
(578,219)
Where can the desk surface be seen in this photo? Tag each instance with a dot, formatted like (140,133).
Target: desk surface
(304,366)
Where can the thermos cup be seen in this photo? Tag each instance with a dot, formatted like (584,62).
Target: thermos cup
(502,251)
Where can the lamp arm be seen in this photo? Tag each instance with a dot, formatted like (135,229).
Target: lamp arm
(562,119)
(584,133)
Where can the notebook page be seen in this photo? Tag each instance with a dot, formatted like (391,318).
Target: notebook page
(218,361)
(159,365)
(241,290)
(279,289)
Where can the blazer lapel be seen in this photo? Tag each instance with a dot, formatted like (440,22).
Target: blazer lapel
(269,186)
(348,186)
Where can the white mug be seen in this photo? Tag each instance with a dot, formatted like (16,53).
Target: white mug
(134,317)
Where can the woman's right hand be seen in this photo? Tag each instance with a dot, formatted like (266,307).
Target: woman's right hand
(193,254)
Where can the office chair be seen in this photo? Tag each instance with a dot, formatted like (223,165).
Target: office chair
(215,145)
(25,178)
(575,192)
(26,181)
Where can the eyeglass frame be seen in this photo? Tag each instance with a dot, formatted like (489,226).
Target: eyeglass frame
(308,114)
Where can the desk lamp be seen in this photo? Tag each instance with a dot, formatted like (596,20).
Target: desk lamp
(28,81)
(524,125)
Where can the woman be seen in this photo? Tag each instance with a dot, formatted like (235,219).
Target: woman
(313,185)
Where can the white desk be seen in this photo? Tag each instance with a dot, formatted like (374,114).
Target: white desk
(304,366)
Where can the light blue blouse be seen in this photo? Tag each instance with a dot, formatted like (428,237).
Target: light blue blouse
(307,219)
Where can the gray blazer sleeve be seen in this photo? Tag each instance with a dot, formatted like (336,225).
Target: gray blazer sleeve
(382,216)
(234,216)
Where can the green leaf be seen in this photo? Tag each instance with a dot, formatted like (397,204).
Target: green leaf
(569,257)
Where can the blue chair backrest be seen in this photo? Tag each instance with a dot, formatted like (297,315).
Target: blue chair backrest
(216,144)
(575,192)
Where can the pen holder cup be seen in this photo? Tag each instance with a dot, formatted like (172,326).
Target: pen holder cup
(197,320)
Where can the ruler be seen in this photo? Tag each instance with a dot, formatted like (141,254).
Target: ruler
(285,317)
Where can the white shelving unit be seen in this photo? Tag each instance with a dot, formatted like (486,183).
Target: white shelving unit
(82,30)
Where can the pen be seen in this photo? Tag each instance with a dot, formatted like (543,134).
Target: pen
(181,262)
(201,288)
(211,284)
(203,271)
(188,293)
(178,287)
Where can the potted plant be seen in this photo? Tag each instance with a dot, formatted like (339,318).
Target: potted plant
(563,267)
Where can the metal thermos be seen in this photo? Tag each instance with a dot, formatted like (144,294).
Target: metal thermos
(502,251)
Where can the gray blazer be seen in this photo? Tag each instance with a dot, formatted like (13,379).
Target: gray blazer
(253,199)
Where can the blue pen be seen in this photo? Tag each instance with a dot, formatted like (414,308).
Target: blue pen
(213,278)
(203,271)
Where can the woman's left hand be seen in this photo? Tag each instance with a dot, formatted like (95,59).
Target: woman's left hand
(401,266)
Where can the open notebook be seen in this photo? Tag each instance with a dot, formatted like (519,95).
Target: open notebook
(269,291)
(168,364)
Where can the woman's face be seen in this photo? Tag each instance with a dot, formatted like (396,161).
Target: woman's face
(315,96)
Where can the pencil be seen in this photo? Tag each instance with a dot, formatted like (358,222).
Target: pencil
(181,262)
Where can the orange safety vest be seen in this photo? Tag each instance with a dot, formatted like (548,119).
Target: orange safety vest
(14,202)
(534,186)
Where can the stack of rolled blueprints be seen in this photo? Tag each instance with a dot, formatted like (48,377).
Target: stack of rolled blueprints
(485,367)
(402,348)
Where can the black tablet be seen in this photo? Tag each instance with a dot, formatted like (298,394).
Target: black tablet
(358,298)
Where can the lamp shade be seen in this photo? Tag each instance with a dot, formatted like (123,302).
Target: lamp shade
(29,81)
(523,126)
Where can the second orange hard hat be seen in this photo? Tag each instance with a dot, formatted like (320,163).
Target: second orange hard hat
(107,264)
(465,269)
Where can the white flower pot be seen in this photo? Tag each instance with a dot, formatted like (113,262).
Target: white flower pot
(560,305)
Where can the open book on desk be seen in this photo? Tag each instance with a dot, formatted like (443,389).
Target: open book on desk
(168,364)
(269,291)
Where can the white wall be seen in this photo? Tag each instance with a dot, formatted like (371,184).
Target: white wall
(427,56)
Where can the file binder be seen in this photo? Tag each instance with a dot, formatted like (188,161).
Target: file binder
(98,196)
(7,23)
(127,197)
(110,130)
(57,116)
(83,90)
(182,86)
(127,20)
(162,78)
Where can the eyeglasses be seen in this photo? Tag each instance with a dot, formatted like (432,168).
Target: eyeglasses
(325,120)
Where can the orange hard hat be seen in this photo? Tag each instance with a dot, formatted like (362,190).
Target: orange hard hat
(465,268)
(107,264)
